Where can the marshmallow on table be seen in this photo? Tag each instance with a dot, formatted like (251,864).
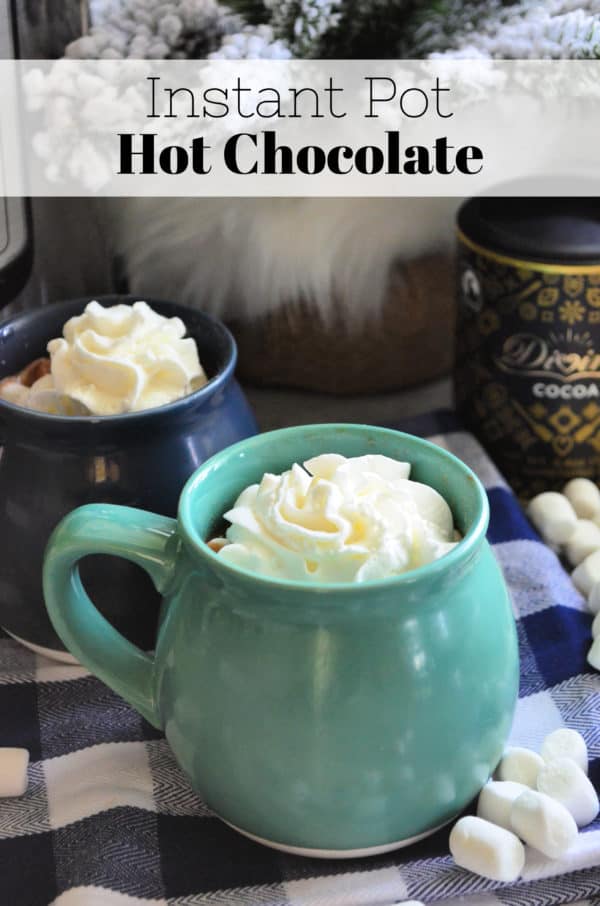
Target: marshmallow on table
(584,497)
(553,516)
(13,771)
(543,823)
(593,655)
(593,600)
(486,849)
(587,574)
(566,743)
(564,781)
(583,542)
(496,799)
(520,766)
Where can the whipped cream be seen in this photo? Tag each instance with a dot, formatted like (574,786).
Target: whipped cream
(338,520)
(113,360)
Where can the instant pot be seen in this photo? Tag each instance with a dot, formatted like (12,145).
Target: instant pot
(50,248)
(15,219)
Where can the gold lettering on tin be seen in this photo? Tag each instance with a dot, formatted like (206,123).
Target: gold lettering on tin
(532,355)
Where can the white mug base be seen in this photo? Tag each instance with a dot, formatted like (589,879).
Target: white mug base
(338,853)
(54,654)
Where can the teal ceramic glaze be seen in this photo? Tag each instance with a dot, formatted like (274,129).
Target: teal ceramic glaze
(331,719)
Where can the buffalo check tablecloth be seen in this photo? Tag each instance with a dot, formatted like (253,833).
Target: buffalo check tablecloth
(109,820)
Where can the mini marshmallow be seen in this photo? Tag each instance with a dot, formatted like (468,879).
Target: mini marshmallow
(583,542)
(553,516)
(486,849)
(596,626)
(565,743)
(593,601)
(13,771)
(520,766)
(496,799)
(587,573)
(584,497)
(593,655)
(543,823)
(564,781)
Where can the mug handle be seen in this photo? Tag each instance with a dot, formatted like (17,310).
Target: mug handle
(148,540)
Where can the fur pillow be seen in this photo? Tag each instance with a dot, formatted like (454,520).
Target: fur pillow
(244,258)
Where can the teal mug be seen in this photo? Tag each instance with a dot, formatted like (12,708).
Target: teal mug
(326,720)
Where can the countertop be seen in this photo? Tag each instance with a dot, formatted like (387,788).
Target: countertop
(282,408)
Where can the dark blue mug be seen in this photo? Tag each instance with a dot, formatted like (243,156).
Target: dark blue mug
(51,464)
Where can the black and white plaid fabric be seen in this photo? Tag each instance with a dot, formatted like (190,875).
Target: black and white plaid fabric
(109,820)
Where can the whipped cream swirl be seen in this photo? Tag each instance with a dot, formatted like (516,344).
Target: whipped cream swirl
(113,360)
(338,520)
